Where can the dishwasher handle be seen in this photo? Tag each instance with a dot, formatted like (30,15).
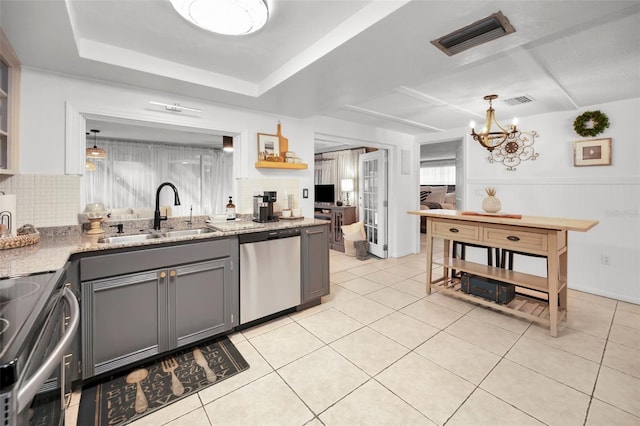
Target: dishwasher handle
(282,233)
(275,234)
(28,391)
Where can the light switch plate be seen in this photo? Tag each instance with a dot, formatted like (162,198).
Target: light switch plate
(305,193)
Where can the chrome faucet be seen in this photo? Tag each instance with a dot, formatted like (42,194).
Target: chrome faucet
(156,214)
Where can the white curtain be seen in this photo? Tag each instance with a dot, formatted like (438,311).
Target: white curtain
(332,167)
(439,172)
(133,170)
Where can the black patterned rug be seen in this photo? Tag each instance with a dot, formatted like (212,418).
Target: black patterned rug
(123,398)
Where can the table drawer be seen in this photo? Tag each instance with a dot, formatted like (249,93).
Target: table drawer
(455,231)
(515,239)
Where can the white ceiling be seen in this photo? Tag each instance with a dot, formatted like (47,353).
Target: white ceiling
(366,61)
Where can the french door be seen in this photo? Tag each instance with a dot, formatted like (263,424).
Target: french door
(372,201)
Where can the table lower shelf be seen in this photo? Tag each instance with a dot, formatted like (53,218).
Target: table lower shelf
(521,306)
(533,282)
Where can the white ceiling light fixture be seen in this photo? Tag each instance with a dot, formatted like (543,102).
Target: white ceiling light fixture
(229,17)
(175,107)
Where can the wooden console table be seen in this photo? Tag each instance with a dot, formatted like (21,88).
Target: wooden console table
(541,236)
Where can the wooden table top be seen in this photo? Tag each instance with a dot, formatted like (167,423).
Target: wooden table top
(559,223)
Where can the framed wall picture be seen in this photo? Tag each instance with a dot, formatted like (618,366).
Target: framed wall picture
(268,146)
(594,152)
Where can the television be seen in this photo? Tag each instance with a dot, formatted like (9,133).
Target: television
(325,194)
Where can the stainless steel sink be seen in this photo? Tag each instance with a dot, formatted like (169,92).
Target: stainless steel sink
(128,238)
(186,232)
(139,238)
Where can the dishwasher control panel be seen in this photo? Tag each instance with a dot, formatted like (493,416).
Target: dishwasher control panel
(268,235)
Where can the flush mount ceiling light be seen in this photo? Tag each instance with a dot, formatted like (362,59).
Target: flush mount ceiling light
(96,152)
(175,107)
(230,17)
(490,28)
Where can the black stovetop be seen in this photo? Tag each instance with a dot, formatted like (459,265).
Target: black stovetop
(23,303)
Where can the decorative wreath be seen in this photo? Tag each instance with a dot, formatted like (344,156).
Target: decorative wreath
(600,122)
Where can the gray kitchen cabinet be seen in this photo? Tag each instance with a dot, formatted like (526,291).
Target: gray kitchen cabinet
(200,308)
(123,320)
(314,252)
(133,316)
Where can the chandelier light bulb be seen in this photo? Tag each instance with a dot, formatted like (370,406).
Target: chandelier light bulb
(472,124)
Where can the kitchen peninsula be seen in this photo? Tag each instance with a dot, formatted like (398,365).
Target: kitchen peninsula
(149,296)
(541,299)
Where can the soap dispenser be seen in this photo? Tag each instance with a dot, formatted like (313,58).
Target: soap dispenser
(231,210)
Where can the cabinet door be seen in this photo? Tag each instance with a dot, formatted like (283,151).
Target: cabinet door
(315,262)
(122,321)
(199,297)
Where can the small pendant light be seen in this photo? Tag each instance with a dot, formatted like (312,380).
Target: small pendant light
(227,143)
(96,152)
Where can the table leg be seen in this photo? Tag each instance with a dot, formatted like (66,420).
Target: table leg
(429,257)
(553,274)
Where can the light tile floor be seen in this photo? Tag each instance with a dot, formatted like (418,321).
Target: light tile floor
(379,351)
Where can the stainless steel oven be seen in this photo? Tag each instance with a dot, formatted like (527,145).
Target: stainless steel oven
(39,317)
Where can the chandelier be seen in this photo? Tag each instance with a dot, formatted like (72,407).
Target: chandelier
(488,138)
(96,152)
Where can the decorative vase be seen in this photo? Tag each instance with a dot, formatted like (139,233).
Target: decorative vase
(491,204)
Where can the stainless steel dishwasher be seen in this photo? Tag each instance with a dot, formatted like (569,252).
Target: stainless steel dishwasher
(269,273)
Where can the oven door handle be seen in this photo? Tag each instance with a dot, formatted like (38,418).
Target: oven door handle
(28,391)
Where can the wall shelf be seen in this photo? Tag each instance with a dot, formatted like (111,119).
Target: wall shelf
(280,165)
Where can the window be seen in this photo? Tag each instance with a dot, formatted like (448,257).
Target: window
(438,172)
(9,107)
(133,170)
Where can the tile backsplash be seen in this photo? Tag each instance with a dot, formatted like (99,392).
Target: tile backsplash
(44,200)
(54,200)
(247,188)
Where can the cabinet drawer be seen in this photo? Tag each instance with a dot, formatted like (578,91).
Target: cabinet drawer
(455,230)
(144,258)
(516,239)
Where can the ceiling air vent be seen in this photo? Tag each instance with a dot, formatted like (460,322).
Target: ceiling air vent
(482,31)
(518,100)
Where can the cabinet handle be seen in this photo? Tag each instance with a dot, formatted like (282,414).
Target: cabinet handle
(172,273)
(163,274)
(313,232)
(454,230)
(513,238)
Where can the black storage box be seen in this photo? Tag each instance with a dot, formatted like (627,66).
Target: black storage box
(487,288)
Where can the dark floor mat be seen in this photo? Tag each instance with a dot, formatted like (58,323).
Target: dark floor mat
(126,397)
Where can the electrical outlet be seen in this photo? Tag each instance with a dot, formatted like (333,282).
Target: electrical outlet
(604,259)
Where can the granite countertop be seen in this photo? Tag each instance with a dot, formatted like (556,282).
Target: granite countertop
(58,244)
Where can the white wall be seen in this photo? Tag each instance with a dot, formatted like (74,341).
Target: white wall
(42,144)
(552,186)
(42,124)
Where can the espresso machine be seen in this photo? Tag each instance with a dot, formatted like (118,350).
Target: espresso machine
(263,207)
